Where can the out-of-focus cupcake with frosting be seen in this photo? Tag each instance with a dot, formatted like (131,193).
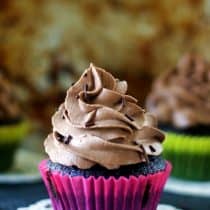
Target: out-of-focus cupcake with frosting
(104,150)
(13,127)
(180,99)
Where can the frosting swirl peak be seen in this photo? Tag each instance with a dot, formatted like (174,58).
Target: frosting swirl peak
(181,96)
(100,124)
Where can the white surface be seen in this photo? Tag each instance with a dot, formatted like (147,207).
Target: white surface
(24,170)
(41,205)
(166,207)
(46,205)
(183,187)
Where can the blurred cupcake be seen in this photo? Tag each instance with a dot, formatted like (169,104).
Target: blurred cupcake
(180,99)
(105,151)
(12,125)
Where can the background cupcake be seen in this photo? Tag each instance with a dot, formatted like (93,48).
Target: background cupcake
(12,125)
(105,151)
(181,101)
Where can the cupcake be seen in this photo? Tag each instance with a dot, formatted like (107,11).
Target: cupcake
(180,99)
(104,150)
(12,125)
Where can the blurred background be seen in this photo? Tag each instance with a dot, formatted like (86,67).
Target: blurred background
(46,44)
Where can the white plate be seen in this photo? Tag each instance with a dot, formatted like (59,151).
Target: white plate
(46,205)
(183,187)
(24,169)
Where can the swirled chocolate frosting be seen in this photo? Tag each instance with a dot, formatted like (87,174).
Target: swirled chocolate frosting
(99,124)
(181,97)
(9,108)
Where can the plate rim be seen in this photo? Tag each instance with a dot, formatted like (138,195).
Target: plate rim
(19,178)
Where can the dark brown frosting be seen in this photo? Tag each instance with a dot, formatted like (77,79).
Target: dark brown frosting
(99,124)
(181,97)
(9,108)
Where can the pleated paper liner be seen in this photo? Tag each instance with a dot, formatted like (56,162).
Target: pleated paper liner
(79,193)
(189,155)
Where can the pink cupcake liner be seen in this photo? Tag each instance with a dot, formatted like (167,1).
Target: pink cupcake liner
(79,193)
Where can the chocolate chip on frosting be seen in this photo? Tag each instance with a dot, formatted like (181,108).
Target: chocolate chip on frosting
(59,137)
(129,117)
(66,113)
(86,97)
(67,139)
(152,148)
(63,139)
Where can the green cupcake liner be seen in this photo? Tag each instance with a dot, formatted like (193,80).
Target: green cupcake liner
(190,156)
(7,153)
(13,133)
(10,138)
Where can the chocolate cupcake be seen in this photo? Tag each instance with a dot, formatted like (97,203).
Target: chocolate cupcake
(180,99)
(104,151)
(13,127)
